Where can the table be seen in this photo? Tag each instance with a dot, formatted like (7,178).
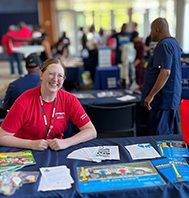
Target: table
(141,113)
(74,73)
(50,158)
(106,97)
(28,49)
(185,81)
(107,78)
(74,69)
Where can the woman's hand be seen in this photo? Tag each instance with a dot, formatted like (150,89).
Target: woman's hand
(57,144)
(39,144)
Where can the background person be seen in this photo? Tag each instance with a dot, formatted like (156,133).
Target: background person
(47,47)
(92,46)
(162,83)
(7,43)
(39,117)
(139,58)
(31,80)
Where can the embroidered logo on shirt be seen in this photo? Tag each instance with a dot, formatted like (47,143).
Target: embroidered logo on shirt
(60,115)
(83,116)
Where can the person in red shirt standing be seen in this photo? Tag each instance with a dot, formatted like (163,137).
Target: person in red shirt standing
(7,43)
(38,118)
(24,33)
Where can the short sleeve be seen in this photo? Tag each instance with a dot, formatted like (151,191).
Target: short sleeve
(78,115)
(15,118)
(163,56)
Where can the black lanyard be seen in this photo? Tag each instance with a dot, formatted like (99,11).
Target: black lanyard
(48,130)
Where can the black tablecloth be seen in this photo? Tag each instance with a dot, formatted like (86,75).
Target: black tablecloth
(50,158)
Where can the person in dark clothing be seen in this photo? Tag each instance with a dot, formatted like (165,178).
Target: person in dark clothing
(31,80)
(162,88)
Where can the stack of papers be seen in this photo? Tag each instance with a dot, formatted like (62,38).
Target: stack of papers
(96,154)
(126,98)
(142,151)
(55,178)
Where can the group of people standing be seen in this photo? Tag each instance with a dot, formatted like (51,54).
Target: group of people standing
(127,51)
(38,118)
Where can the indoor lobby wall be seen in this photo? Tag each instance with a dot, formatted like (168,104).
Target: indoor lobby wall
(14,11)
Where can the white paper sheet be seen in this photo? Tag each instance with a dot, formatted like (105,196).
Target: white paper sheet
(102,94)
(142,151)
(55,178)
(83,95)
(96,154)
(126,98)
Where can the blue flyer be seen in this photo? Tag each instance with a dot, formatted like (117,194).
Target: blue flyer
(118,176)
(166,169)
(174,169)
(173,149)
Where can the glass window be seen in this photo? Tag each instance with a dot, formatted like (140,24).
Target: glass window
(99,12)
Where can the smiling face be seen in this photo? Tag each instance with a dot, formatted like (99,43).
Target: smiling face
(52,78)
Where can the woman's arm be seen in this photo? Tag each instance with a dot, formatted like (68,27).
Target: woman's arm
(8,139)
(87,132)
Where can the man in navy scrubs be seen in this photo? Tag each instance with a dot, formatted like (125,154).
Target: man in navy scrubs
(162,82)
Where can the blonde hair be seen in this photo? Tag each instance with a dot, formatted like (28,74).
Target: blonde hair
(50,61)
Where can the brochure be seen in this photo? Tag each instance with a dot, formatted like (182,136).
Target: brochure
(16,158)
(173,149)
(118,176)
(174,169)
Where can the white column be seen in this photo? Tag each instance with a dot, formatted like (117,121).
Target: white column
(112,19)
(146,23)
(179,11)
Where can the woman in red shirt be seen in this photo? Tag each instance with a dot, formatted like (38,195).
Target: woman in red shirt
(38,118)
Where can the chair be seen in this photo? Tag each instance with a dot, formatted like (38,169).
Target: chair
(117,121)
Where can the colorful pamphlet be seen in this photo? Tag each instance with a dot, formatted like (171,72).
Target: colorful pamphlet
(16,158)
(118,176)
(172,149)
(175,169)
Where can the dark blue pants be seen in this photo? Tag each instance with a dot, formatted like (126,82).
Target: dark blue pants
(163,122)
(18,59)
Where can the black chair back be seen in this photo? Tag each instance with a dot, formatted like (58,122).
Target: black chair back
(115,121)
